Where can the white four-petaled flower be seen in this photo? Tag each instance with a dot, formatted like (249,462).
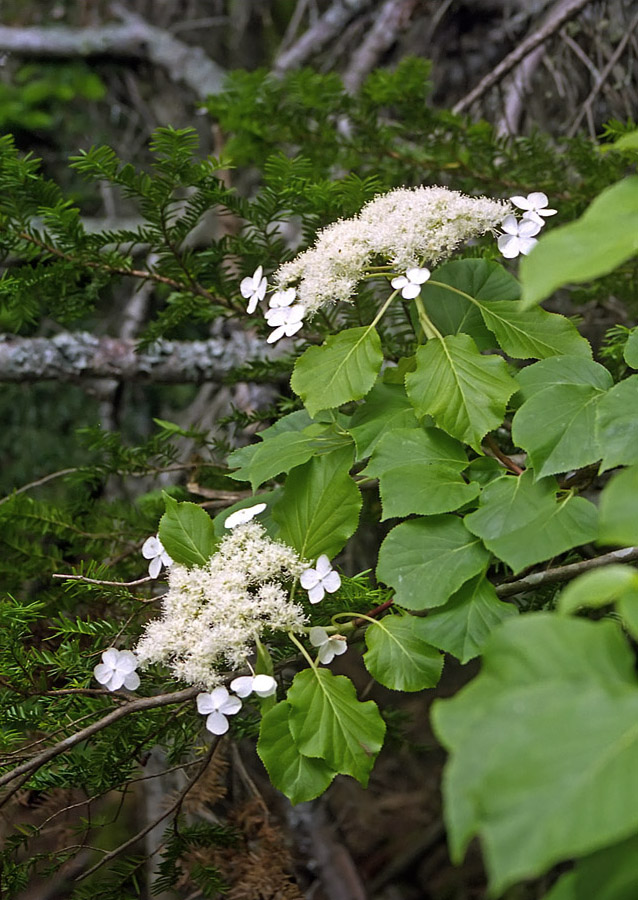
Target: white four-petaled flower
(320,579)
(329,647)
(262,685)
(153,549)
(241,516)
(285,319)
(253,289)
(518,237)
(282,298)
(217,706)
(117,669)
(535,206)
(410,283)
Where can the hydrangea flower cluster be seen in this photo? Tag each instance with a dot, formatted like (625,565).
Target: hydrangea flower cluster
(213,614)
(520,234)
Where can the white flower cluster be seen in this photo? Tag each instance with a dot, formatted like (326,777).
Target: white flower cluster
(212,614)
(520,234)
(406,228)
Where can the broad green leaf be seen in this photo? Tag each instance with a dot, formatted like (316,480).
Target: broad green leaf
(532,333)
(465,392)
(609,874)
(299,777)
(630,353)
(617,424)
(562,370)
(344,368)
(187,533)
(569,789)
(427,560)
(418,471)
(521,521)
(557,428)
(328,721)
(463,626)
(619,509)
(319,506)
(598,588)
(398,655)
(604,237)
(293,422)
(385,409)
(453,313)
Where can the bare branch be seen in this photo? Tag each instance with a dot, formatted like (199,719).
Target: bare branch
(565,573)
(77,356)
(561,13)
(393,16)
(86,580)
(331,23)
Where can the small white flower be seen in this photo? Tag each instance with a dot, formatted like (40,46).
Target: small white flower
(282,298)
(535,206)
(117,669)
(286,320)
(410,283)
(253,289)
(241,516)
(217,705)
(262,685)
(153,549)
(518,237)
(320,579)
(329,647)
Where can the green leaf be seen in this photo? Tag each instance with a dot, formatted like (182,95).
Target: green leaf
(299,777)
(521,521)
(557,428)
(619,510)
(480,279)
(604,237)
(344,368)
(385,409)
(562,370)
(465,392)
(543,746)
(418,471)
(398,655)
(463,626)
(427,560)
(187,533)
(319,506)
(630,352)
(328,721)
(609,874)
(532,333)
(617,424)
(598,588)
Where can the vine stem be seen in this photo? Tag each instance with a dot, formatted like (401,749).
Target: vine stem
(502,457)
(429,328)
(303,650)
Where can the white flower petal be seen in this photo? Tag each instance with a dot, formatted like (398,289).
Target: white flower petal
(309,578)
(526,245)
(246,287)
(132,681)
(166,559)
(326,654)
(282,298)
(205,704)
(231,706)
(260,293)
(510,225)
(399,282)
(241,516)
(318,636)
(216,723)
(528,228)
(315,594)
(338,645)
(410,291)
(155,567)
(103,673)
(292,329)
(537,199)
(521,202)
(532,216)
(332,582)
(242,686)
(418,276)
(264,685)
(127,662)
(259,271)
(110,657)
(252,304)
(508,245)
(323,566)
(218,697)
(151,547)
(116,682)
(295,314)
(547,212)
(276,334)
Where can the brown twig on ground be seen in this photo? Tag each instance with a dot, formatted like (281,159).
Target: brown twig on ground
(565,573)
(561,13)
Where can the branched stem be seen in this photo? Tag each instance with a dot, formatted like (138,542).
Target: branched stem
(565,573)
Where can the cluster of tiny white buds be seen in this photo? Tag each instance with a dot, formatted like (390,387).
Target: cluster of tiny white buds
(320,579)
(520,235)
(328,647)
(153,549)
(117,670)
(284,316)
(242,516)
(253,289)
(410,284)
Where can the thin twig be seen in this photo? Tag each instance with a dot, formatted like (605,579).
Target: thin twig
(565,573)
(38,482)
(86,580)
(561,13)
(502,457)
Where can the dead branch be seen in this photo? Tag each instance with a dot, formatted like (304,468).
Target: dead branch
(561,13)
(393,16)
(565,573)
(331,23)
